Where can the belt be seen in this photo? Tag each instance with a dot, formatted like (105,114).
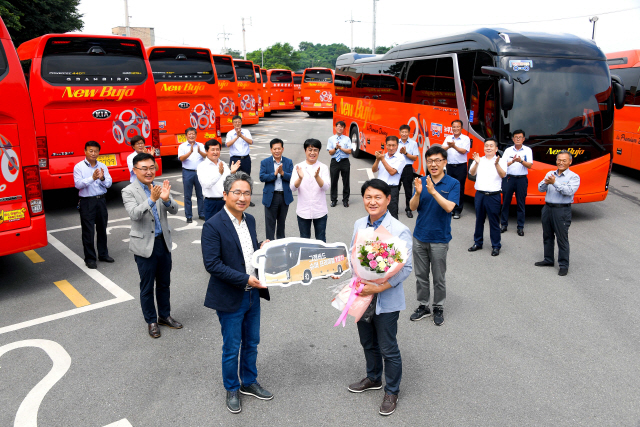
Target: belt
(159,236)
(278,192)
(455,165)
(489,193)
(516,176)
(559,205)
(101,196)
(241,157)
(190,170)
(214,198)
(393,186)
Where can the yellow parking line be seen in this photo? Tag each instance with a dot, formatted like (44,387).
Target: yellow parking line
(179,202)
(33,256)
(72,293)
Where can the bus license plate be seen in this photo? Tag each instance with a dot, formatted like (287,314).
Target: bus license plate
(182,137)
(317,104)
(108,159)
(281,103)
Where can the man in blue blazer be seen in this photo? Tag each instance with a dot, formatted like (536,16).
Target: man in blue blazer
(228,242)
(275,172)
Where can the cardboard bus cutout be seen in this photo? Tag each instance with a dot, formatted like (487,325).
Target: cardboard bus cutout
(284,262)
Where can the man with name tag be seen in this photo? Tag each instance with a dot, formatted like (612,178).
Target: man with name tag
(211,174)
(560,186)
(489,171)
(408,148)
(275,172)
(239,142)
(390,167)
(191,154)
(339,148)
(519,160)
(457,146)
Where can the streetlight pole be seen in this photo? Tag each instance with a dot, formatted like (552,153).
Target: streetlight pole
(593,19)
(373,46)
(352,21)
(224,38)
(126,18)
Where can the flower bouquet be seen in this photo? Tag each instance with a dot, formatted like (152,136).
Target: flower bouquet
(376,256)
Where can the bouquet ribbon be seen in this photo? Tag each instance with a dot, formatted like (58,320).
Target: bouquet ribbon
(356,287)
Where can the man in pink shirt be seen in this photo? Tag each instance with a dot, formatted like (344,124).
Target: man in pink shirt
(310,179)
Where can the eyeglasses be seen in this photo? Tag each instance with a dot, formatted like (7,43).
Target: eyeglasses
(436,161)
(239,193)
(149,169)
(562,160)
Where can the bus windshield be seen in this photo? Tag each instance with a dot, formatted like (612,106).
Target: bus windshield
(181,64)
(318,76)
(93,61)
(244,72)
(281,77)
(224,68)
(561,96)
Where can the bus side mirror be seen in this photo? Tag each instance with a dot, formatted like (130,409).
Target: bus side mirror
(505,85)
(618,91)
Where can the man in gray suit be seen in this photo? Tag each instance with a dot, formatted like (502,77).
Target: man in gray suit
(150,240)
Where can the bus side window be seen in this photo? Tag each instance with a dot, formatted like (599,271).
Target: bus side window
(466,65)
(390,81)
(630,77)
(483,95)
(423,67)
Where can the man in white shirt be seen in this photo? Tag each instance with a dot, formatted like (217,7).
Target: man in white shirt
(519,160)
(211,175)
(191,154)
(408,148)
(457,146)
(489,171)
(390,167)
(238,141)
(339,148)
(137,143)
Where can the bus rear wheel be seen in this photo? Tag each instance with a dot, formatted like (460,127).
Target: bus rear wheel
(339,269)
(306,277)
(355,143)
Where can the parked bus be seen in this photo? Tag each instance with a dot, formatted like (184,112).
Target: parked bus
(556,87)
(343,85)
(280,85)
(187,95)
(228,90)
(22,221)
(297,88)
(626,140)
(266,96)
(256,69)
(84,88)
(317,91)
(247,91)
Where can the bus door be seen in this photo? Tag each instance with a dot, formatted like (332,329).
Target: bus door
(247,91)
(266,97)
(86,88)
(228,90)
(22,221)
(297,88)
(317,90)
(256,69)
(187,95)
(280,83)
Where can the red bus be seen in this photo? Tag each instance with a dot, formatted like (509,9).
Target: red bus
(626,140)
(280,87)
(502,81)
(228,90)
(84,88)
(187,94)
(297,88)
(266,96)
(256,69)
(247,91)
(22,222)
(317,90)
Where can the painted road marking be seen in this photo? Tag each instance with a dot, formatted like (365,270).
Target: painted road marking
(179,202)
(369,172)
(72,293)
(33,256)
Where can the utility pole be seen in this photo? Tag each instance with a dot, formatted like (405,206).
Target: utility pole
(593,19)
(244,44)
(373,46)
(224,38)
(351,21)
(126,18)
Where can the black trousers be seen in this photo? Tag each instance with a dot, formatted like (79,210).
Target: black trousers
(156,268)
(459,172)
(245,164)
(555,225)
(510,185)
(395,198)
(93,219)
(275,216)
(406,180)
(487,206)
(336,169)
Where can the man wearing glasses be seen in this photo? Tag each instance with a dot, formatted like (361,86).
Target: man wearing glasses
(150,241)
(435,197)
(519,160)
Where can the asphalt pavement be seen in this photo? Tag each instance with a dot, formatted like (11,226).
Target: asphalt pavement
(520,345)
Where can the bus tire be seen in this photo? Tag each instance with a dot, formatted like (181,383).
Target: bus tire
(312,114)
(267,114)
(306,277)
(355,143)
(339,269)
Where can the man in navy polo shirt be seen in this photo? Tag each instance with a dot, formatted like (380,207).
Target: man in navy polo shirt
(432,234)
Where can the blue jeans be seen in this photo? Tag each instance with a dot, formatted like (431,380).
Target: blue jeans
(189,179)
(240,334)
(379,341)
(319,228)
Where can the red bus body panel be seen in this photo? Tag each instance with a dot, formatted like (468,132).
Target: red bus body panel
(260,87)
(317,96)
(297,89)
(247,98)
(280,94)
(228,92)
(266,96)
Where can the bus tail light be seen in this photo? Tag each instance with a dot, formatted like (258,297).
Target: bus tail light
(43,152)
(237,111)
(218,126)
(155,141)
(33,189)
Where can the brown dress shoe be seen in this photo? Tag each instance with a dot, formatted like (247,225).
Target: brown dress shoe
(364,385)
(389,404)
(170,322)
(154,330)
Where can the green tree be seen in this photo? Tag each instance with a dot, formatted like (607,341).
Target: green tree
(235,53)
(359,49)
(380,50)
(28,19)
(280,55)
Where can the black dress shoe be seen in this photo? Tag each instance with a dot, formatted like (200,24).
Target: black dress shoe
(543,264)
(91,264)
(170,322)
(474,248)
(252,204)
(495,252)
(345,204)
(201,217)
(233,402)
(409,214)
(106,259)
(334,204)
(154,330)
(520,232)
(503,228)
(189,220)
(563,271)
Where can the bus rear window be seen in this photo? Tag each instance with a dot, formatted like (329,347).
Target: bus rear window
(281,77)
(224,68)
(297,80)
(318,76)
(263,74)
(93,61)
(181,64)
(244,72)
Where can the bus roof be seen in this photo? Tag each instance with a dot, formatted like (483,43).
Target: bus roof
(33,48)
(149,49)
(222,56)
(624,59)
(279,69)
(498,41)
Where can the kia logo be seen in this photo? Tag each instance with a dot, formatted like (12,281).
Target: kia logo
(102,114)
(184,105)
